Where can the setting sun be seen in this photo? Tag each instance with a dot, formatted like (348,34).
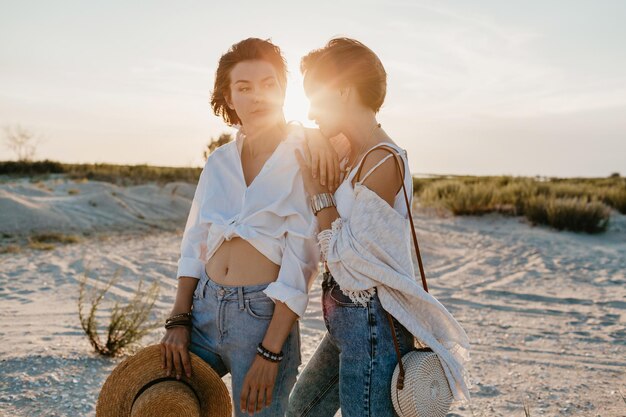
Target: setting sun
(296,103)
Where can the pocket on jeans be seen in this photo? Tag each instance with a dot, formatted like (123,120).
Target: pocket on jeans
(260,308)
(199,291)
(340,299)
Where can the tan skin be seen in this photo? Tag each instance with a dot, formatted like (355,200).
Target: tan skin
(257,97)
(340,110)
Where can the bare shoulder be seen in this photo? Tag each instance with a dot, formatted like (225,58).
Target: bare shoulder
(380,174)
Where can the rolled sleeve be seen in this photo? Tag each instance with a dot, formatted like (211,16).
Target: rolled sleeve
(193,243)
(299,267)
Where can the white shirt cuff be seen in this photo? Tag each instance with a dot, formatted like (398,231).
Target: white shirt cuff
(189,267)
(295,299)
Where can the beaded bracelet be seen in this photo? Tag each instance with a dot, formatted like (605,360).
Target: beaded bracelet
(181,324)
(179,316)
(268,355)
(178,320)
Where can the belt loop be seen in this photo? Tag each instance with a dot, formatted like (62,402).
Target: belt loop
(240,297)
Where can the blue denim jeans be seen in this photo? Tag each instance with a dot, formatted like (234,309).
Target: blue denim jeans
(354,363)
(228,324)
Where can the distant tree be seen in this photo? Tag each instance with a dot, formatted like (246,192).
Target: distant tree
(21,141)
(614,175)
(223,139)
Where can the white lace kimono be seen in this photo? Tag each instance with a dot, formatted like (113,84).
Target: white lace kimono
(373,248)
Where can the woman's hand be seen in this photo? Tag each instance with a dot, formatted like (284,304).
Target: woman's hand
(174,351)
(324,161)
(311,185)
(258,385)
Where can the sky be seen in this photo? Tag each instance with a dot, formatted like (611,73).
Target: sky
(474,87)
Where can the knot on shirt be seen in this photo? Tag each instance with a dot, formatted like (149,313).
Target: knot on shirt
(230,229)
(234,228)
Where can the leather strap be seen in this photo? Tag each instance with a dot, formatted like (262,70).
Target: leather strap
(400,383)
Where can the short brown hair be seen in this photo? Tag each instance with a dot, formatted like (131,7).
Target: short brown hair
(345,61)
(246,50)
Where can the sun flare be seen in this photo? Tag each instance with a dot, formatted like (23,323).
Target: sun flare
(296,102)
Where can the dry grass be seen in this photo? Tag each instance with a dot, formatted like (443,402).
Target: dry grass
(41,245)
(526,410)
(10,249)
(46,241)
(127,324)
(117,174)
(581,205)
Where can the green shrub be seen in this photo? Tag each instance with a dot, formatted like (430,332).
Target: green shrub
(576,204)
(29,168)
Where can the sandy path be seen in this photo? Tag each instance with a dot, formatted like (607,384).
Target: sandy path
(544,310)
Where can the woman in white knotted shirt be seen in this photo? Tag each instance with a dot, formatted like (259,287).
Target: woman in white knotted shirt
(248,251)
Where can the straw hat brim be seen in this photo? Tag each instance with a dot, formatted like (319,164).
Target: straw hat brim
(143,370)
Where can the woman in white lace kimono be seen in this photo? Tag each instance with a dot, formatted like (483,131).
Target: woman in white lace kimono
(365,242)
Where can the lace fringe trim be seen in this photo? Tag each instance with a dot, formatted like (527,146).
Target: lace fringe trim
(361,297)
(324,237)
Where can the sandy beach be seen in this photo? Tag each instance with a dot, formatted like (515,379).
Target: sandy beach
(545,310)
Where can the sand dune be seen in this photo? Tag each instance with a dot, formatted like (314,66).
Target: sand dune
(545,310)
(69,206)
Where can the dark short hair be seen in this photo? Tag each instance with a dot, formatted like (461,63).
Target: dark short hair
(246,50)
(344,61)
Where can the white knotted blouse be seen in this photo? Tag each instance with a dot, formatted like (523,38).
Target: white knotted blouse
(273,214)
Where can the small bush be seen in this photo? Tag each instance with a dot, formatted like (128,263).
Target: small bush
(615,197)
(9,249)
(46,241)
(579,215)
(53,238)
(41,245)
(127,324)
(473,199)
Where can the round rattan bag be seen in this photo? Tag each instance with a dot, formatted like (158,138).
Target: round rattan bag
(137,387)
(426,392)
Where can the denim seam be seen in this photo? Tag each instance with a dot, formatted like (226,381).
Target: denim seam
(318,398)
(368,383)
(221,318)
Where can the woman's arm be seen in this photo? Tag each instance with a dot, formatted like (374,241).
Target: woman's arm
(384,181)
(174,345)
(184,295)
(258,384)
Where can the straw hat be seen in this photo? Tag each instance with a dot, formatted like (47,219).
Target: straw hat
(138,387)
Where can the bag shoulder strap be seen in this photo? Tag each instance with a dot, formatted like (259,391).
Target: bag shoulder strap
(401,373)
(408,207)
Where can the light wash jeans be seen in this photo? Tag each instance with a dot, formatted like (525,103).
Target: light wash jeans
(228,324)
(353,365)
